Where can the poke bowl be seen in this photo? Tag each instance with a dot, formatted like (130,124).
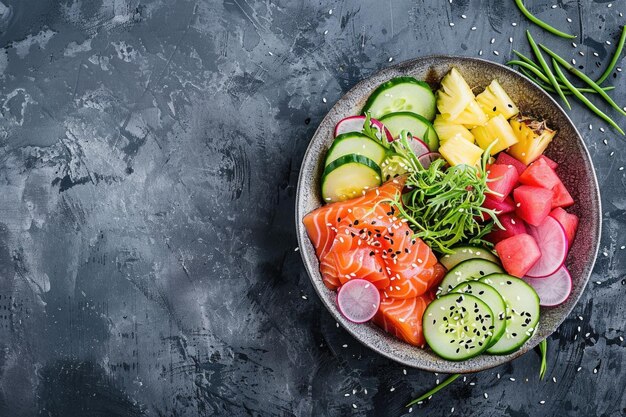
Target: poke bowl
(575,170)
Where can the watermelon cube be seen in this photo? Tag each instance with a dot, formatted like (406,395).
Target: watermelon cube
(505,206)
(569,222)
(518,254)
(539,174)
(562,197)
(533,204)
(512,224)
(506,159)
(550,162)
(501,179)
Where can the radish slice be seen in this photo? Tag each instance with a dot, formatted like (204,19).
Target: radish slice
(552,242)
(428,158)
(355,124)
(358,300)
(554,289)
(419,147)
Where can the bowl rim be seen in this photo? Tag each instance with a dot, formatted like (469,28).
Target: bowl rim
(302,236)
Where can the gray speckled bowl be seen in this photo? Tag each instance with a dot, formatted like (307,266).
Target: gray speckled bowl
(568,149)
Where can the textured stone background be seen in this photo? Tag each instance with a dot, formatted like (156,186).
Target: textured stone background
(149,152)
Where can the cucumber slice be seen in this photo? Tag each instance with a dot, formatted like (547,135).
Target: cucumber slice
(414,123)
(349,176)
(492,298)
(465,252)
(458,326)
(401,94)
(393,166)
(358,144)
(469,270)
(522,312)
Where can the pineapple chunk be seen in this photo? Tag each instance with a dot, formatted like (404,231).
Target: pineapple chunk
(458,151)
(454,95)
(447,130)
(533,138)
(494,101)
(457,103)
(497,129)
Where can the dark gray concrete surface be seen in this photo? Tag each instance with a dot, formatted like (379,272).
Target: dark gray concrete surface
(149,152)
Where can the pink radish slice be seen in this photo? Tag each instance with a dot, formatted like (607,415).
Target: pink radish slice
(554,289)
(355,124)
(419,147)
(428,158)
(552,241)
(358,300)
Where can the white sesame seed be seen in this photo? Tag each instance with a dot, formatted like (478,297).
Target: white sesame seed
(542,402)
(353,405)
(493,40)
(610,5)
(598,282)
(304,297)
(580,318)
(496,53)
(581,53)
(590,127)
(574,44)
(498,376)
(411,408)
(554,6)
(485,395)
(270,53)
(622,247)
(621,168)
(365,391)
(451,24)
(473,28)
(621,338)
(390,58)
(344,346)
(324,99)
(480,52)
(392,389)
(330,11)
(618,69)
(325,32)
(513,24)
(606,142)
(579,368)
(512,379)
(596,54)
(573,61)
(602,129)
(510,40)
(587,334)
(296,249)
(463,16)
(595,370)
(472,383)
(569,20)
(452,410)
(612,153)
(608,42)
(554,379)
(404,371)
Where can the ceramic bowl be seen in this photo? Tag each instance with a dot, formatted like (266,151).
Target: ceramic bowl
(575,169)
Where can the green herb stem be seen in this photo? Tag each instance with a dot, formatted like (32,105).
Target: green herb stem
(546,69)
(543,348)
(436,389)
(582,76)
(616,55)
(540,22)
(584,99)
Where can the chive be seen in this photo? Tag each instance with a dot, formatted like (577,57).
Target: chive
(546,69)
(526,59)
(583,77)
(584,99)
(543,348)
(529,70)
(436,389)
(541,23)
(616,55)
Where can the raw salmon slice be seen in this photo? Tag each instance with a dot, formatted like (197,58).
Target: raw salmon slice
(403,317)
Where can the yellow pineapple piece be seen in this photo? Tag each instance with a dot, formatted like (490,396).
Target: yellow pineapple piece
(496,130)
(446,130)
(456,101)
(533,138)
(494,101)
(457,151)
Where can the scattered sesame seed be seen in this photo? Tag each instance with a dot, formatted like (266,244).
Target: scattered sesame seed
(598,282)
(513,24)
(602,129)
(330,11)
(621,338)
(480,52)
(498,376)
(511,40)
(463,16)
(618,69)
(270,53)
(621,168)
(304,297)
(404,371)
(622,247)
(493,40)
(325,32)
(606,142)
(472,383)
(554,379)
(347,394)
(390,58)
(581,53)
(496,53)
(590,127)
(344,346)
(587,334)
(569,20)
(612,153)
(452,410)
(573,61)
(579,368)
(596,54)
(580,318)
(574,44)
(392,389)
(353,405)
(542,402)
(512,379)
(595,370)
(451,24)
(296,249)
(610,5)
(485,395)
(411,408)
(608,42)
(324,99)
(473,28)
(554,6)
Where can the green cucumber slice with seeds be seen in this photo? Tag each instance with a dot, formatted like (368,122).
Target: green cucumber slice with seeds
(465,252)
(356,143)
(469,270)
(402,94)
(492,298)
(522,312)
(417,125)
(458,326)
(349,176)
